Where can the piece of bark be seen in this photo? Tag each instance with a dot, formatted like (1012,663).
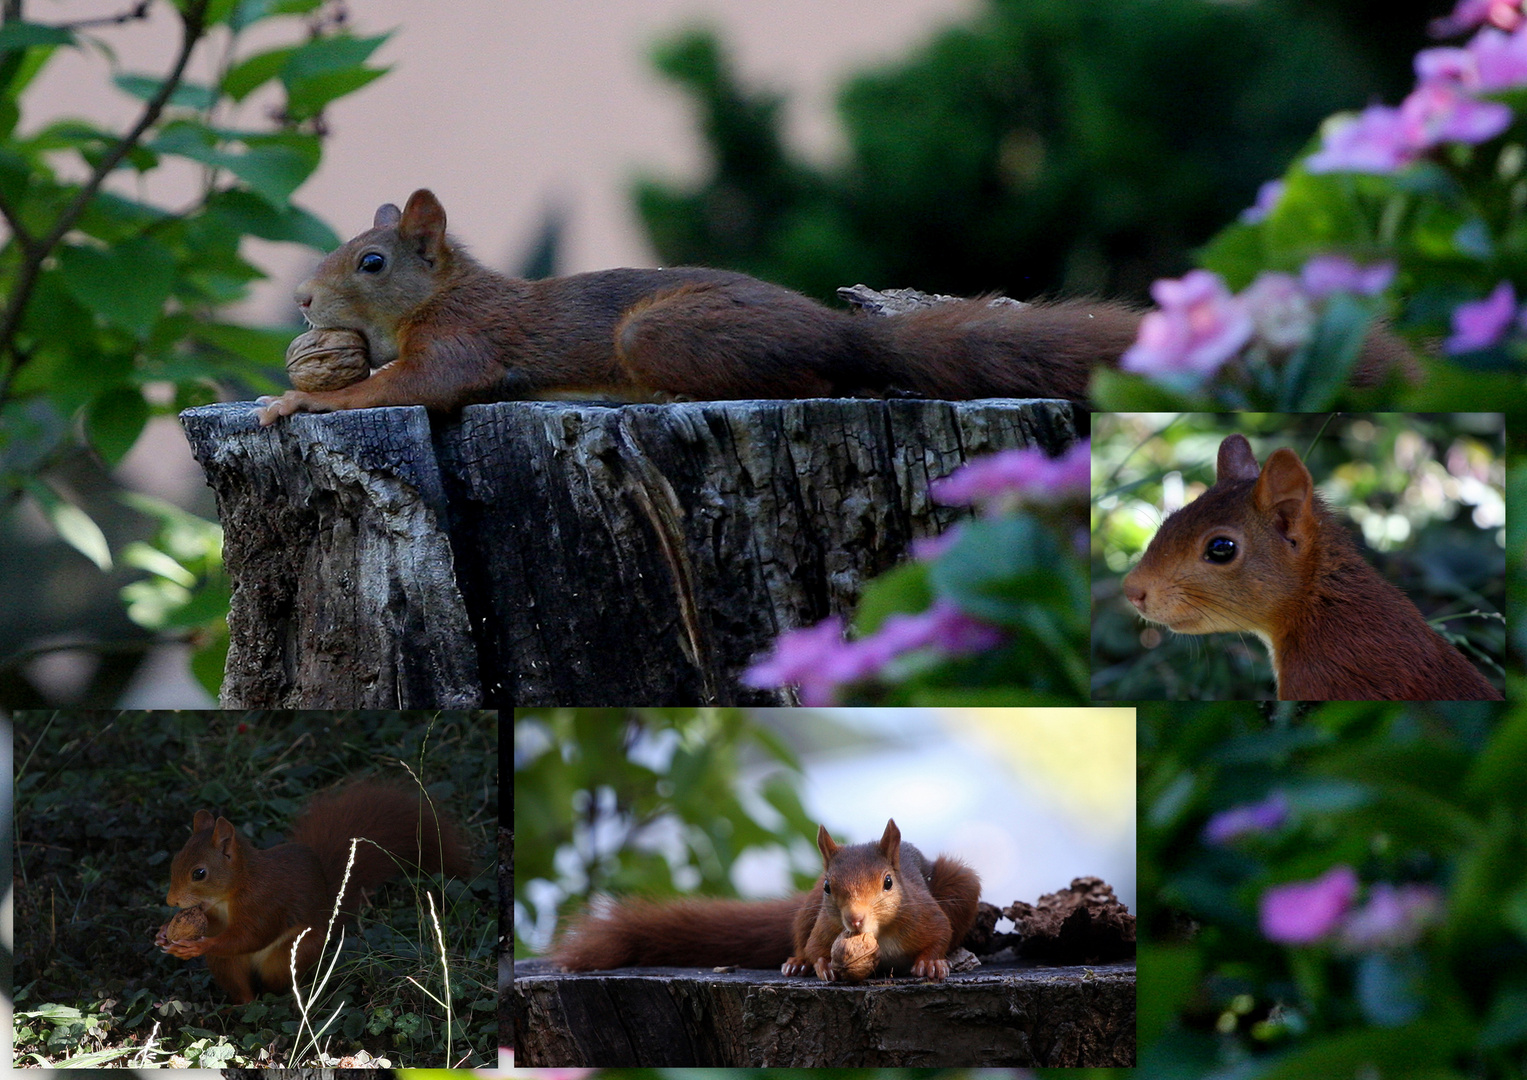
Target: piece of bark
(1084,923)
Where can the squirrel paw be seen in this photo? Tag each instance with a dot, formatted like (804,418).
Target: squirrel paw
(825,971)
(188,949)
(796,965)
(937,970)
(292,401)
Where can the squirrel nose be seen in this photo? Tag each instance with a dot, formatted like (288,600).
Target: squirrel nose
(1134,592)
(304,297)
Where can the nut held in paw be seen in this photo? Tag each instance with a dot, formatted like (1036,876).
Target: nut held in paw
(327,359)
(854,956)
(185,924)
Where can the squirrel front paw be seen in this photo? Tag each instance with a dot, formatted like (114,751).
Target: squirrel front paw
(796,965)
(825,971)
(937,970)
(293,401)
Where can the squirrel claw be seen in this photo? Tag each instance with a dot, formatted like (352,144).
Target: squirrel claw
(796,965)
(937,970)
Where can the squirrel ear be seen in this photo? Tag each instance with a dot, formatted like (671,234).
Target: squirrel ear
(422,225)
(1236,461)
(825,844)
(202,820)
(891,838)
(1285,491)
(386,216)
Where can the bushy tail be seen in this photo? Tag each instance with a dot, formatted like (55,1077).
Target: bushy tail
(681,933)
(970,349)
(958,891)
(394,818)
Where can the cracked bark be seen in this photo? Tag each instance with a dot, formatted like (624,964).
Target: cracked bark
(551,553)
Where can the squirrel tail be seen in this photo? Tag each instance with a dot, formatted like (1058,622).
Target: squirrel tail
(958,891)
(681,933)
(401,825)
(972,349)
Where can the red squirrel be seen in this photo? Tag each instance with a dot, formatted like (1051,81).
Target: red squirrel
(1260,552)
(253,903)
(443,331)
(880,907)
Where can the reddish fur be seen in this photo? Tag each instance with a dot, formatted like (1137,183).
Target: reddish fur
(929,910)
(1337,629)
(256,898)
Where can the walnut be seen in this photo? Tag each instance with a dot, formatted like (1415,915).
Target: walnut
(185,924)
(854,956)
(327,359)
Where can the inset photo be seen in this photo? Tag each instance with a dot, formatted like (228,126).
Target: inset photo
(1307,557)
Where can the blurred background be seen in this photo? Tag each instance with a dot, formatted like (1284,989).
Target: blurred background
(726,802)
(1424,495)
(1021,146)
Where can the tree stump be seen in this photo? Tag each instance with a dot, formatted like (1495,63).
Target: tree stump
(550,553)
(999,1014)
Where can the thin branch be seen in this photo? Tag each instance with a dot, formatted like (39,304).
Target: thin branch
(27,241)
(193,23)
(137,11)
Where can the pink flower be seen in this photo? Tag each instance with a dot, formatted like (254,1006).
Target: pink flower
(1327,274)
(1374,141)
(1032,474)
(1264,816)
(811,657)
(1199,326)
(1267,198)
(1467,14)
(928,548)
(1280,310)
(1392,918)
(1437,112)
(1304,912)
(1482,323)
(1500,60)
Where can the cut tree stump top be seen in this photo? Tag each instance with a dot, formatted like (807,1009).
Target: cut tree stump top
(999,1014)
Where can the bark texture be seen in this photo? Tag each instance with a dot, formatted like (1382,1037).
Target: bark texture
(997,1015)
(549,553)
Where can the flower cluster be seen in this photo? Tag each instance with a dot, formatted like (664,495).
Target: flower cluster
(1318,911)
(1200,325)
(1442,108)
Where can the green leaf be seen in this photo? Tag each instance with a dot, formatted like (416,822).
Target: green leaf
(114,420)
(272,165)
(1119,391)
(255,71)
(125,284)
(73,525)
(261,345)
(306,97)
(249,12)
(15,36)
(248,213)
(999,569)
(1317,373)
(903,589)
(189,95)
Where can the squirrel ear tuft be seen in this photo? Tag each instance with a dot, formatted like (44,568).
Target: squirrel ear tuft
(423,224)
(386,216)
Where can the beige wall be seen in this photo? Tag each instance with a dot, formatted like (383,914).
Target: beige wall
(507,107)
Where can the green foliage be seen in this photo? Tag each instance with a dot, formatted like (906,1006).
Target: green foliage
(630,773)
(1041,146)
(1409,484)
(109,306)
(113,794)
(1402,793)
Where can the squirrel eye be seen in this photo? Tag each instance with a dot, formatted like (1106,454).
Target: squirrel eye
(199,873)
(371,263)
(1220,550)
(827,887)
(888,883)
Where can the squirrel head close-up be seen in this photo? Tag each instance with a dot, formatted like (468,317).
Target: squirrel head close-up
(863,880)
(373,283)
(1237,556)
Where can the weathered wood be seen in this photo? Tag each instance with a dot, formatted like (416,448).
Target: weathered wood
(549,553)
(997,1015)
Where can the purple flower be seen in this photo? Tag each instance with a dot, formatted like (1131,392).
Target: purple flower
(1374,141)
(1437,112)
(818,661)
(1500,60)
(1267,198)
(1327,274)
(1032,474)
(1392,918)
(1482,323)
(1467,14)
(1264,816)
(1199,326)
(1304,912)
(1280,310)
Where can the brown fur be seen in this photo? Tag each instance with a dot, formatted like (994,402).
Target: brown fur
(928,910)
(1335,628)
